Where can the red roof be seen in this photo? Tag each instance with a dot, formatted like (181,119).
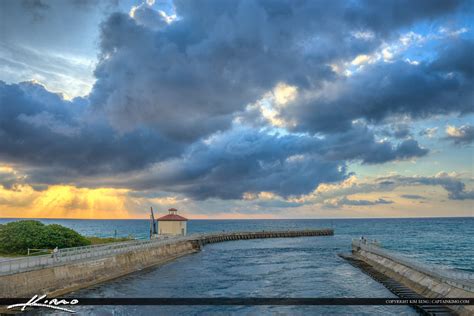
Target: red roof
(172,217)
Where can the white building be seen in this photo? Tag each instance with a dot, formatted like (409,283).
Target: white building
(172,224)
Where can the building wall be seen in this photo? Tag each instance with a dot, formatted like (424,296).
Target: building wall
(172,227)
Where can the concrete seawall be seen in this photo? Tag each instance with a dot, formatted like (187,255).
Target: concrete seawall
(207,239)
(65,278)
(423,281)
(62,277)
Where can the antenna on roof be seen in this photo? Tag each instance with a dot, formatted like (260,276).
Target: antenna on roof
(152,223)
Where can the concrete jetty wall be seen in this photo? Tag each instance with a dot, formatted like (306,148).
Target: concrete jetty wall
(212,238)
(72,276)
(75,271)
(424,281)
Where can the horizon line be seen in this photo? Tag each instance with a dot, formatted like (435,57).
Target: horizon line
(239,219)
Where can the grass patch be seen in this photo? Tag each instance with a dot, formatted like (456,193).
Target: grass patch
(11,255)
(106,240)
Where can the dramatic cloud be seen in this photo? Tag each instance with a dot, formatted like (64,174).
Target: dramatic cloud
(460,135)
(265,102)
(62,142)
(359,143)
(40,129)
(385,89)
(243,160)
(189,78)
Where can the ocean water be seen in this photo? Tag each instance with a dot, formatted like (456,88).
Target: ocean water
(293,267)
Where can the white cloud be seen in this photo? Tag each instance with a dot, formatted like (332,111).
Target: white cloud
(361,59)
(454,131)
(284,93)
(452,33)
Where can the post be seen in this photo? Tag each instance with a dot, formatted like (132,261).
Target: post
(152,223)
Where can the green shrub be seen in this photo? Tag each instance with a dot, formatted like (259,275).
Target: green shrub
(17,237)
(62,237)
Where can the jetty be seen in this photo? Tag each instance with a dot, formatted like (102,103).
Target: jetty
(80,267)
(410,279)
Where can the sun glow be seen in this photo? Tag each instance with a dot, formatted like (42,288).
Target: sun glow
(64,201)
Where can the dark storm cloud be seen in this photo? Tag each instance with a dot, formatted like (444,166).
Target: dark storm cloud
(359,143)
(60,141)
(385,16)
(161,112)
(456,58)
(39,128)
(189,78)
(248,160)
(244,160)
(382,90)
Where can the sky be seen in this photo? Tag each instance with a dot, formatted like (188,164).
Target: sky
(236,109)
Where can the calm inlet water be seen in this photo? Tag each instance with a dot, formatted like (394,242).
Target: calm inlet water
(295,267)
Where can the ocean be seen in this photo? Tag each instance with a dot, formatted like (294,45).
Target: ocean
(293,267)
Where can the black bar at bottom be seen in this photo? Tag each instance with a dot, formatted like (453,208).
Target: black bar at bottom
(249,301)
